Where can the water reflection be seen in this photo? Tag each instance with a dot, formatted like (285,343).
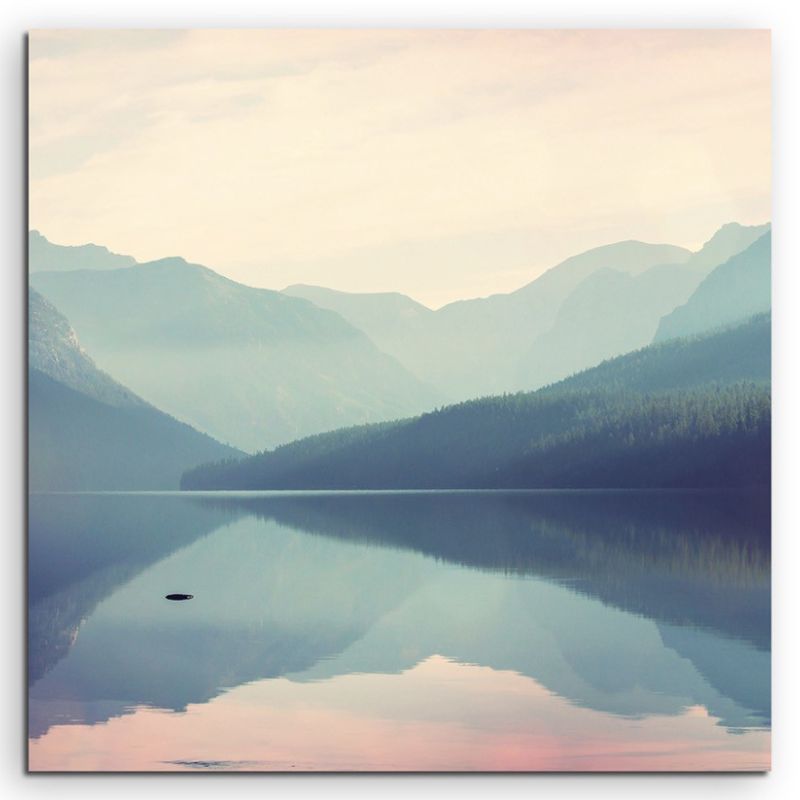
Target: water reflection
(631,608)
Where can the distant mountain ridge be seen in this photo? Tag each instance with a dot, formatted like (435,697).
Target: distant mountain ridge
(88,432)
(592,306)
(260,368)
(472,347)
(44,255)
(249,366)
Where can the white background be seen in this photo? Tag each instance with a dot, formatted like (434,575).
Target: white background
(781,17)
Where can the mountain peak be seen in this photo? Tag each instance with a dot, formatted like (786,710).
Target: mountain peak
(737,229)
(45,256)
(730,239)
(170,261)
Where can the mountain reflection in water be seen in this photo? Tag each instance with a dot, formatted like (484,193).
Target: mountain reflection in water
(633,607)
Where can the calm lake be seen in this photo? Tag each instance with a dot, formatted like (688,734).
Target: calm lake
(400,631)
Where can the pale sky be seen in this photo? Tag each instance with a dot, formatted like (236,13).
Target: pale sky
(442,164)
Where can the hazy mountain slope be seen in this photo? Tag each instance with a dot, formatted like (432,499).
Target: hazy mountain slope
(86,431)
(395,322)
(53,349)
(608,314)
(736,289)
(374,313)
(43,255)
(611,312)
(712,430)
(249,366)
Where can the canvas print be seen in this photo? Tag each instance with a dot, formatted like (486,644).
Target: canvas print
(399,400)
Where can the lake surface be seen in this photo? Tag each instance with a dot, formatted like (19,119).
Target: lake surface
(400,631)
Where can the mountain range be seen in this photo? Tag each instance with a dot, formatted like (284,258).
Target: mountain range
(472,347)
(249,366)
(596,305)
(259,369)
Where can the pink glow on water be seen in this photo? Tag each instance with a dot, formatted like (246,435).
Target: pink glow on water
(440,715)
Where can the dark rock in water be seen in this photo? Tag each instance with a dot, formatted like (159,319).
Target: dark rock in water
(179,596)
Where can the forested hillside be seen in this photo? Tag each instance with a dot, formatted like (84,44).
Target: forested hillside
(638,421)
